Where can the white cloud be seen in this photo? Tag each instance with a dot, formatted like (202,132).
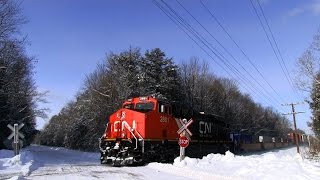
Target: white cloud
(311,8)
(315,8)
(295,12)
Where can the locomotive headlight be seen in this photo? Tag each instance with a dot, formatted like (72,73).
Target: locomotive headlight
(123,135)
(116,146)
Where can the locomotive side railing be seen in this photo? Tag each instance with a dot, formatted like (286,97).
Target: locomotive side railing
(100,141)
(133,130)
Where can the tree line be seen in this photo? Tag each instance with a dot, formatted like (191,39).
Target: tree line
(130,73)
(18,92)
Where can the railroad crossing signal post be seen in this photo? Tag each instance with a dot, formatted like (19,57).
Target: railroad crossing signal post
(185,135)
(15,135)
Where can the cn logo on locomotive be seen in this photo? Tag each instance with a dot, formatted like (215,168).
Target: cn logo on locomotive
(205,127)
(120,125)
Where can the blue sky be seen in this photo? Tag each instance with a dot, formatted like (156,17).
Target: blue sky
(68,38)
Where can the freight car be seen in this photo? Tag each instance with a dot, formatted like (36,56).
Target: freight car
(296,137)
(145,130)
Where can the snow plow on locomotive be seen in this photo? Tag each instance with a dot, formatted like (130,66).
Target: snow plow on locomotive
(145,130)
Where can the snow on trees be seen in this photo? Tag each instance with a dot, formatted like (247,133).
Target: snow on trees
(129,74)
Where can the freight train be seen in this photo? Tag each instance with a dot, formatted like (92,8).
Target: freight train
(145,129)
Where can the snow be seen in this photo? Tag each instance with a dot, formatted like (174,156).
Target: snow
(282,164)
(41,162)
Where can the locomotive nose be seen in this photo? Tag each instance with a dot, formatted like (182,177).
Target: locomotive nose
(123,124)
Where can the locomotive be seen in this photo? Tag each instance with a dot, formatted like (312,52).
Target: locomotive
(145,129)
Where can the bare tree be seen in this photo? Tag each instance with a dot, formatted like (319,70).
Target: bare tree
(308,66)
(10,18)
(308,79)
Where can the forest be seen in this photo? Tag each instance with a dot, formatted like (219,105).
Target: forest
(132,73)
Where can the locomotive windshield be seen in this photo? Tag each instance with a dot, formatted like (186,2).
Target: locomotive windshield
(144,106)
(128,106)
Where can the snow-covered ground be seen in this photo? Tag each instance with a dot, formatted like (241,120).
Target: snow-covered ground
(40,162)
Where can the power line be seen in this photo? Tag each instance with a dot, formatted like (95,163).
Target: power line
(180,25)
(274,40)
(228,52)
(178,20)
(271,44)
(214,51)
(183,23)
(223,48)
(241,50)
(177,23)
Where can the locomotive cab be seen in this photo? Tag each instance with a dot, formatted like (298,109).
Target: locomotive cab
(145,104)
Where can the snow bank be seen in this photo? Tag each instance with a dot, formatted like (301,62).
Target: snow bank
(284,164)
(18,165)
(11,162)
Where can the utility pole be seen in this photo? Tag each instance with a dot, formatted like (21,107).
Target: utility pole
(294,122)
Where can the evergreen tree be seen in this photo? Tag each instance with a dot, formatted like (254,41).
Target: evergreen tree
(315,106)
(123,69)
(152,71)
(171,82)
(159,76)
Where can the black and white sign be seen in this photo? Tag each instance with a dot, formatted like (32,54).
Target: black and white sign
(183,126)
(17,144)
(15,130)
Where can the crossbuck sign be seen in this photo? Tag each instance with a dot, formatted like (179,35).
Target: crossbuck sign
(15,135)
(15,130)
(183,126)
